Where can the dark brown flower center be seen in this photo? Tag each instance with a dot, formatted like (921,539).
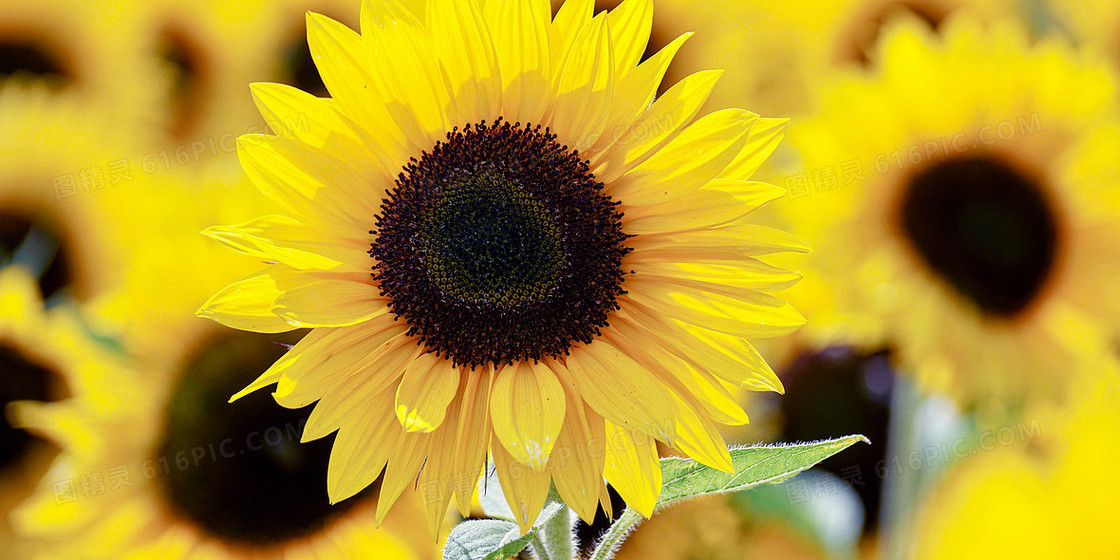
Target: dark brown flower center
(986,228)
(238,470)
(499,245)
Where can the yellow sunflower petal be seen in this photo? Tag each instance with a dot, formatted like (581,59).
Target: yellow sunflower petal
(329,302)
(633,94)
(285,240)
(463,41)
(410,80)
(668,114)
(706,208)
(354,463)
(585,87)
(247,305)
(473,438)
(436,482)
(569,20)
(632,468)
(619,389)
(294,113)
(697,155)
(520,33)
(369,366)
(314,194)
(630,25)
(577,460)
(527,408)
(698,437)
(339,57)
(409,451)
(429,384)
(763,139)
(351,395)
(525,489)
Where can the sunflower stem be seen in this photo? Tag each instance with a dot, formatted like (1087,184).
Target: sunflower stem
(899,485)
(618,532)
(554,541)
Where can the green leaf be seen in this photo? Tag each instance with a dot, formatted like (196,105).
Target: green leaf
(760,464)
(475,538)
(515,546)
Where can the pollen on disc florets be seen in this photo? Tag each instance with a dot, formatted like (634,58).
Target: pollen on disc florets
(499,245)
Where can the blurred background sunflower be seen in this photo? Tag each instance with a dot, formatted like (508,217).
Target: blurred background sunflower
(953,163)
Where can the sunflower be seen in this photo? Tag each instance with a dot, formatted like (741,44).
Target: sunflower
(156,463)
(212,49)
(950,218)
(86,52)
(58,160)
(40,355)
(168,269)
(561,268)
(1096,22)
(1012,501)
(776,52)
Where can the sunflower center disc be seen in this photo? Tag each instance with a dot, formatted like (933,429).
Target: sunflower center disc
(984,227)
(499,245)
(20,379)
(238,471)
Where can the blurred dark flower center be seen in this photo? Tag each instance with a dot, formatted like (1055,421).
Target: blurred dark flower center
(35,58)
(299,68)
(187,63)
(986,228)
(35,244)
(238,470)
(20,379)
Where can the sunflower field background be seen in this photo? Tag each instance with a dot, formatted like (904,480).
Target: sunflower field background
(942,208)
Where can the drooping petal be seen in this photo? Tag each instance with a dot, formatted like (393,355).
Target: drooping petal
(577,459)
(525,489)
(473,437)
(619,389)
(355,463)
(632,468)
(527,407)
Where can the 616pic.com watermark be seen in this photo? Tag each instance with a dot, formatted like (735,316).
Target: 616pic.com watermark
(97,482)
(799,491)
(831,177)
